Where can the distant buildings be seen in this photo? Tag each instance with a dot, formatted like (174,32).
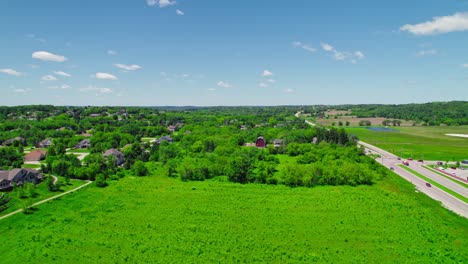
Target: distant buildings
(119,156)
(45,143)
(85,143)
(10,142)
(35,155)
(260,142)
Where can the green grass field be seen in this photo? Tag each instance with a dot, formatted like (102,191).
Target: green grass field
(165,220)
(427,143)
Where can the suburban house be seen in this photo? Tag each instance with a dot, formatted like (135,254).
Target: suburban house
(119,156)
(164,138)
(18,177)
(278,143)
(35,155)
(94,115)
(260,142)
(172,128)
(10,142)
(45,143)
(85,143)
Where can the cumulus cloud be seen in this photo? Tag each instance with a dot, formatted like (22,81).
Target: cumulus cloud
(224,84)
(11,72)
(132,67)
(111,52)
(48,78)
(465,65)
(61,73)
(267,73)
(161,3)
(96,90)
(343,55)
(271,80)
(105,76)
(47,56)
(179,12)
(439,25)
(288,90)
(301,45)
(263,85)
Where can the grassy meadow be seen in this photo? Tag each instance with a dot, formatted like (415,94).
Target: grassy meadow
(159,219)
(427,143)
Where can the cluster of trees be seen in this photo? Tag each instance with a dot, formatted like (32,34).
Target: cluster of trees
(394,122)
(11,157)
(365,123)
(432,114)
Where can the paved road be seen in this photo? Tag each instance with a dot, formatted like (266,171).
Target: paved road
(452,203)
(46,200)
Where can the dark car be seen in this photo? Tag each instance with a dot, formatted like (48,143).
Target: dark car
(399,158)
(392,168)
(420,161)
(428,184)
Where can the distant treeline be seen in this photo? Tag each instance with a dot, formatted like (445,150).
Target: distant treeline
(432,114)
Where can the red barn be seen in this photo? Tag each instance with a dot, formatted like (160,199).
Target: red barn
(260,142)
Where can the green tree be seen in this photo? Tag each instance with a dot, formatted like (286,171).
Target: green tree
(139,168)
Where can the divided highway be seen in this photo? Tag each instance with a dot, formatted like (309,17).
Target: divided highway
(452,203)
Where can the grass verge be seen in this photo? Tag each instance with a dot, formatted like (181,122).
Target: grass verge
(446,176)
(445,189)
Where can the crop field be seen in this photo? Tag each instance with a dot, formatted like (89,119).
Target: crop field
(160,219)
(354,121)
(427,143)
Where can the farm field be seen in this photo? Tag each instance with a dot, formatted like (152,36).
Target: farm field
(427,143)
(155,218)
(354,121)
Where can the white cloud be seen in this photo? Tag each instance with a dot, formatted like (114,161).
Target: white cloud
(63,87)
(96,89)
(11,72)
(111,52)
(465,65)
(47,56)
(267,73)
(179,12)
(161,3)
(132,67)
(359,55)
(22,91)
(343,55)
(61,73)
(271,80)
(439,25)
(224,84)
(299,44)
(288,90)
(49,78)
(263,85)
(212,89)
(105,76)
(426,52)
(327,47)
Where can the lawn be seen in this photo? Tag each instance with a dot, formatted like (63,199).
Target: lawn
(427,143)
(160,219)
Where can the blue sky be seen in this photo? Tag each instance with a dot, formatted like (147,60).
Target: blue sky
(244,52)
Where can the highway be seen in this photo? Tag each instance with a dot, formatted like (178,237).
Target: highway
(450,202)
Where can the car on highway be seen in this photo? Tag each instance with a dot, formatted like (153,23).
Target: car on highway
(428,184)
(398,158)
(420,161)
(410,158)
(392,168)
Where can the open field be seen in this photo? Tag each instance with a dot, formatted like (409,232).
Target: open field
(354,121)
(140,220)
(42,193)
(427,143)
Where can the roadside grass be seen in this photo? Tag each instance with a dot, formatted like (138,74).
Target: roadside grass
(42,192)
(143,219)
(445,189)
(426,143)
(446,176)
(84,150)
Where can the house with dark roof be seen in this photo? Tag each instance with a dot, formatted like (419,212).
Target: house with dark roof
(164,138)
(85,143)
(18,177)
(35,155)
(119,156)
(45,143)
(10,142)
